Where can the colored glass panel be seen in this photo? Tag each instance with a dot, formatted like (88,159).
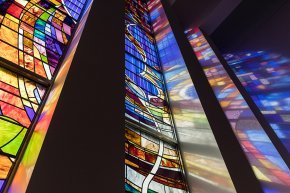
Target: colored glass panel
(266,162)
(74,7)
(20,99)
(266,77)
(36,33)
(143,154)
(141,45)
(26,166)
(33,35)
(137,14)
(145,100)
(151,165)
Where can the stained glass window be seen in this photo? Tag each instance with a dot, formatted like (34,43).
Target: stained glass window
(141,45)
(20,99)
(152,164)
(34,38)
(35,33)
(137,13)
(145,99)
(266,162)
(143,154)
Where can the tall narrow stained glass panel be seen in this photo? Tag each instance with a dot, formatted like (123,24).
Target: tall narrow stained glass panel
(152,162)
(35,36)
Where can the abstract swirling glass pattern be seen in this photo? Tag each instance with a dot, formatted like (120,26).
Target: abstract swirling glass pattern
(142,152)
(20,99)
(203,161)
(35,33)
(29,159)
(138,42)
(145,100)
(266,162)
(266,77)
(151,164)
(34,36)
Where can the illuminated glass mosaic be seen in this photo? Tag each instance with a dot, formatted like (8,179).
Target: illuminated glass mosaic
(145,98)
(36,33)
(151,164)
(141,45)
(19,102)
(138,14)
(267,164)
(34,37)
(266,77)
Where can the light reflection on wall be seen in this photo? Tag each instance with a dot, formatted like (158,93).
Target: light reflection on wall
(202,158)
(266,77)
(266,162)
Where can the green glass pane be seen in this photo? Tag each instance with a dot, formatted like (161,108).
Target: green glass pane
(13,146)
(45,16)
(12,135)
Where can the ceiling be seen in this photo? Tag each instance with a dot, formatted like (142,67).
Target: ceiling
(238,24)
(206,14)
